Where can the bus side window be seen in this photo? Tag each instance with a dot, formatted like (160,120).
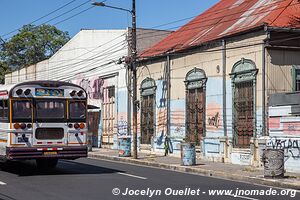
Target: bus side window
(3,109)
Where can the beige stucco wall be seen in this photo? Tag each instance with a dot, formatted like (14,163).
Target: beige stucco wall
(248,46)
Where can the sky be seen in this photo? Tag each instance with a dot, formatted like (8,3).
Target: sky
(150,14)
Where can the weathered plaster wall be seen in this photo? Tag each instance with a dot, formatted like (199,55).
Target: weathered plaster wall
(210,60)
(284,133)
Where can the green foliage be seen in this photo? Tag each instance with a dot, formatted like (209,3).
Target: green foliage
(3,70)
(31,45)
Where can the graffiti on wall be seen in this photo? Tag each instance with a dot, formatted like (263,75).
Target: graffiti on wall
(291,146)
(178,122)
(122,124)
(213,117)
(214,120)
(94,87)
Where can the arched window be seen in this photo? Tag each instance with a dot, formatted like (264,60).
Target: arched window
(195,82)
(243,78)
(148,89)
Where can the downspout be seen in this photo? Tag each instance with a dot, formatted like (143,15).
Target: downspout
(168,96)
(129,89)
(264,89)
(224,86)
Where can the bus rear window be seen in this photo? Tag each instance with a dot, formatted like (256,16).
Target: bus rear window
(50,109)
(77,110)
(22,110)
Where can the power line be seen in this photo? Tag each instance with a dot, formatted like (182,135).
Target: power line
(221,17)
(85,59)
(246,45)
(74,15)
(60,67)
(209,25)
(80,5)
(44,16)
(92,58)
(208,18)
(56,17)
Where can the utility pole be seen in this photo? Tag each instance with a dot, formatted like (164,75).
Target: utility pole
(131,68)
(134,81)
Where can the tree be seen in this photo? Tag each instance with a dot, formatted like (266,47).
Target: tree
(32,44)
(4,69)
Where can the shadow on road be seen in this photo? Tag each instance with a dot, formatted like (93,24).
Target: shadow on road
(6,197)
(64,167)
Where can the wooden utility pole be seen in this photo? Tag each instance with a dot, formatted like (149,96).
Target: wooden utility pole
(134,81)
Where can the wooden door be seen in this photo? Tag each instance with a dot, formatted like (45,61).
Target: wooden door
(195,114)
(147,119)
(93,126)
(244,113)
(108,106)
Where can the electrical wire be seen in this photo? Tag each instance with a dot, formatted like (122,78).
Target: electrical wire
(44,16)
(85,60)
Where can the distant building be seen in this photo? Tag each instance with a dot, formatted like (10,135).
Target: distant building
(91,60)
(223,65)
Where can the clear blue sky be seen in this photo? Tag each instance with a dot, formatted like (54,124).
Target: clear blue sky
(150,13)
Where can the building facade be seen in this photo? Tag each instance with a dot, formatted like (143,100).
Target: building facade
(94,59)
(209,81)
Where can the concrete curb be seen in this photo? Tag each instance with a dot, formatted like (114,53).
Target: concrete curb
(205,172)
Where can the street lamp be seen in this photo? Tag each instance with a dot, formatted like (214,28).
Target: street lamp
(113,7)
(132,68)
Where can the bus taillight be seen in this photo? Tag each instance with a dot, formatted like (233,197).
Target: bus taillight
(16,125)
(23,126)
(76,126)
(29,126)
(81,125)
(70,125)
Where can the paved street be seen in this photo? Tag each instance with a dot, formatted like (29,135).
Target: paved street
(95,179)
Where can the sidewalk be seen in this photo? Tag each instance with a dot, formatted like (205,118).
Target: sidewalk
(213,169)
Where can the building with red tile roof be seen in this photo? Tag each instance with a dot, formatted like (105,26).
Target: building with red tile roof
(209,83)
(228,18)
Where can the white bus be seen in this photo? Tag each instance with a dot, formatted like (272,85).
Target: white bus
(43,120)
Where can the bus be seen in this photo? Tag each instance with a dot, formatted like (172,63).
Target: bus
(43,121)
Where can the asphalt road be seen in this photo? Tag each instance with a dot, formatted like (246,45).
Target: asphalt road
(89,179)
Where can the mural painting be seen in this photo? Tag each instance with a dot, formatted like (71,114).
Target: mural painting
(94,87)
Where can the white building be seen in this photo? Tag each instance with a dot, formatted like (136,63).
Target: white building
(91,60)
